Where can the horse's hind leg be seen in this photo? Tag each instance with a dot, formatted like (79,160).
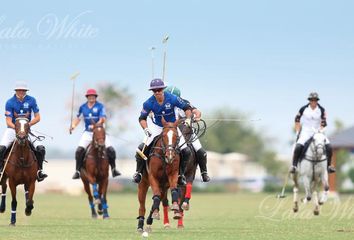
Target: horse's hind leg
(90,199)
(13,203)
(3,197)
(29,192)
(180,224)
(296,194)
(142,190)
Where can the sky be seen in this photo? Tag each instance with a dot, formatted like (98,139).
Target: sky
(262,58)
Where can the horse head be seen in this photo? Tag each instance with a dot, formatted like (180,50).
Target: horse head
(170,140)
(99,137)
(319,145)
(21,129)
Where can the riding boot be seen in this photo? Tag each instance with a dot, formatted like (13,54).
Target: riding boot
(140,163)
(202,161)
(111,153)
(40,155)
(185,155)
(329,154)
(2,156)
(297,154)
(79,157)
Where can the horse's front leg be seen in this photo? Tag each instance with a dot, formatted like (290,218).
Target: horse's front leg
(90,198)
(13,203)
(174,194)
(103,193)
(307,186)
(3,197)
(156,197)
(29,197)
(316,211)
(166,209)
(143,187)
(324,180)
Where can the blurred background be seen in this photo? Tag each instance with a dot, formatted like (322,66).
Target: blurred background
(251,60)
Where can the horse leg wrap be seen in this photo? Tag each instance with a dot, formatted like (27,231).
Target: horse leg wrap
(95,191)
(140,222)
(13,211)
(166,209)
(174,195)
(92,205)
(189,191)
(149,220)
(156,202)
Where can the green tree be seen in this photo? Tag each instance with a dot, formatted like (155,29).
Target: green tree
(239,136)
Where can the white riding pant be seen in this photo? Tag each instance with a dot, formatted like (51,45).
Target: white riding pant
(10,136)
(157,130)
(305,135)
(86,139)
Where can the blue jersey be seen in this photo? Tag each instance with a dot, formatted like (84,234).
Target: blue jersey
(15,108)
(167,109)
(91,115)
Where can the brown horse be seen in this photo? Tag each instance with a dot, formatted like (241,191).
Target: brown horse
(162,169)
(21,168)
(95,172)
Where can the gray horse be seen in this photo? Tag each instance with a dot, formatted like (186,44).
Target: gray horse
(313,172)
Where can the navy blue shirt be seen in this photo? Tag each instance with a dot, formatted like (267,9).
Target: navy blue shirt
(166,109)
(91,115)
(15,108)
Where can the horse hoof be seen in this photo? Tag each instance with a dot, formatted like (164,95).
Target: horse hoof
(12,224)
(174,207)
(167,226)
(100,212)
(295,210)
(28,212)
(139,230)
(148,229)
(177,216)
(320,203)
(156,215)
(316,212)
(2,210)
(106,217)
(185,206)
(180,227)
(94,216)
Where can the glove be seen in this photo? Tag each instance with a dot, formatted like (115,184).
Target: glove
(187,122)
(147,132)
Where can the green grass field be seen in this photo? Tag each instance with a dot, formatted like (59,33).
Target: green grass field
(212,216)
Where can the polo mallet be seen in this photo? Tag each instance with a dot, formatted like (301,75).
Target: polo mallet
(73,78)
(164,41)
(152,61)
(8,157)
(282,195)
(141,152)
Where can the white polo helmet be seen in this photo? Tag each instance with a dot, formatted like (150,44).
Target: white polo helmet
(21,85)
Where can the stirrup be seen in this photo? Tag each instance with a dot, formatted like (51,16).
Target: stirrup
(76,175)
(331,169)
(41,176)
(137,177)
(115,172)
(205,177)
(292,169)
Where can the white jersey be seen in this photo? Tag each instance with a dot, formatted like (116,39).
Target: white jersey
(311,118)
